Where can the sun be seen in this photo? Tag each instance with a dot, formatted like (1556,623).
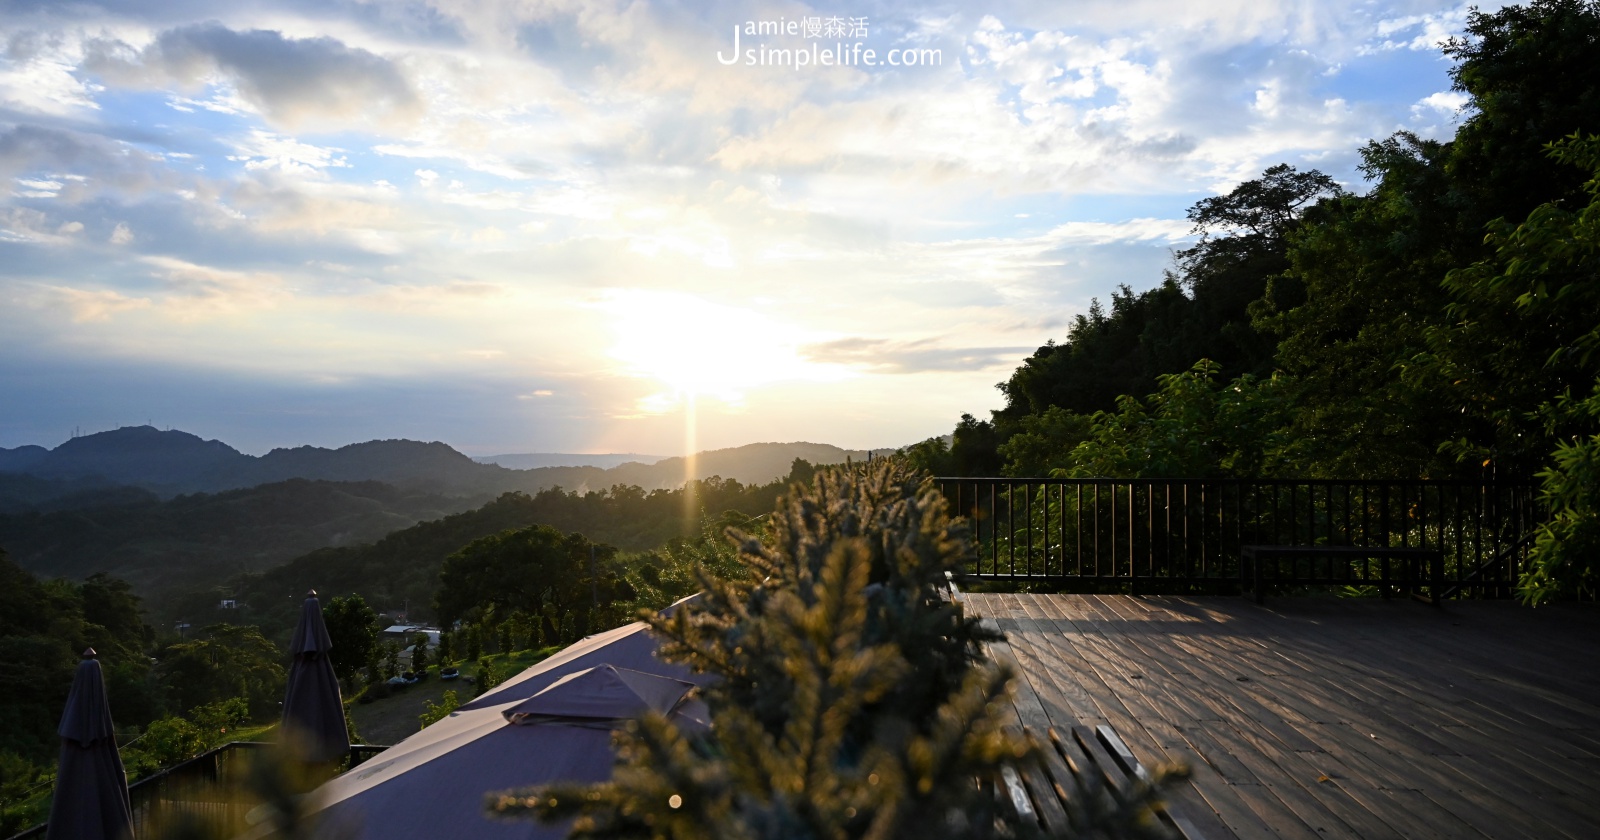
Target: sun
(698,348)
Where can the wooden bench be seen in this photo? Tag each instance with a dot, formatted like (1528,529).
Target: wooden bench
(1091,763)
(1419,566)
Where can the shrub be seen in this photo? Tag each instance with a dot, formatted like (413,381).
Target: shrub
(435,712)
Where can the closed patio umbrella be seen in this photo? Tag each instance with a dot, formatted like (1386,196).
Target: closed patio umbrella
(91,796)
(313,711)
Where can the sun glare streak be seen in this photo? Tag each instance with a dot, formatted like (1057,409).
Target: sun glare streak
(690,447)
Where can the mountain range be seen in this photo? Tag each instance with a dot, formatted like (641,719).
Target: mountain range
(532,460)
(167,510)
(171,463)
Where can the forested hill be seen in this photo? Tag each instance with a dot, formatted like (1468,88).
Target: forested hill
(157,545)
(1443,322)
(70,525)
(171,462)
(403,567)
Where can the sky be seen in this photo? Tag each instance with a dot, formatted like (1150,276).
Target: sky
(525,226)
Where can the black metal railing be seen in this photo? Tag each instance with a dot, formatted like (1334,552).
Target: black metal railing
(204,788)
(1185,535)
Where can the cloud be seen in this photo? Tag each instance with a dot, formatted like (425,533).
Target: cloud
(43,153)
(36,188)
(925,356)
(405,189)
(121,235)
(1418,33)
(25,224)
(290,81)
(87,305)
(36,75)
(261,150)
(1133,230)
(1447,102)
(194,291)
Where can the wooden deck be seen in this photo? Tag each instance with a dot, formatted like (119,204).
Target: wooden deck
(1324,717)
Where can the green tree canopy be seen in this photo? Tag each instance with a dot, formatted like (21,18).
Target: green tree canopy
(528,569)
(223,662)
(47,625)
(353,630)
(1524,353)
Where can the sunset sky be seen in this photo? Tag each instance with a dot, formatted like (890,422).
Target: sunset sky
(540,227)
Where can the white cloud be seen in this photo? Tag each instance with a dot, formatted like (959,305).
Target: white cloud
(1447,103)
(264,150)
(1418,32)
(37,75)
(35,188)
(121,234)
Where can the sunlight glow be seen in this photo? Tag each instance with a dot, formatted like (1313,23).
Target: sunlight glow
(694,347)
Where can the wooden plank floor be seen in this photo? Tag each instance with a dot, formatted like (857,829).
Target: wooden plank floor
(1326,717)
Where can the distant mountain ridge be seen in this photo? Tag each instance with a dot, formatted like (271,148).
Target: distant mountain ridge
(534,460)
(172,462)
(19,459)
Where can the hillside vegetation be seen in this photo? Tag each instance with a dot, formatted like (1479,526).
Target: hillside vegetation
(67,517)
(1443,324)
(403,568)
(160,545)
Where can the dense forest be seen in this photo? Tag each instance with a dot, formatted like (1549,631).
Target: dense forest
(1443,323)
(160,546)
(172,696)
(402,569)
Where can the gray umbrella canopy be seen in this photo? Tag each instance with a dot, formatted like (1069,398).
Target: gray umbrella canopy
(91,797)
(313,711)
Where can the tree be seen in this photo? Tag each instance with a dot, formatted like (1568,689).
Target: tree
(1191,426)
(527,570)
(1524,353)
(1354,306)
(1044,442)
(800,471)
(353,629)
(1361,316)
(1258,213)
(1201,310)
(1529,69)
(222,662)
(419,652)
(47,625)
(177,738)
